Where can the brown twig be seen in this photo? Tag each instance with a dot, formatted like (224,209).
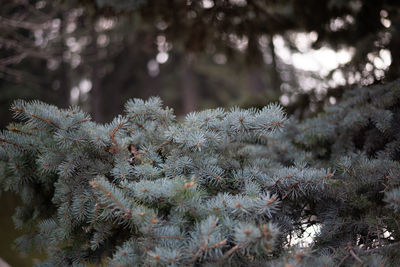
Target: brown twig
(205,247)
(114,148)
(112,197)
(11,143)
(163,144)
(342,261)
(352,253)
(230,252)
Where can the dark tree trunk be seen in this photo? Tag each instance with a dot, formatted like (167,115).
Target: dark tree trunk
(394,47)
(64,70)
(96,94)
(65,89)
(188,85)
(275,76)
(255,73)
(255,81)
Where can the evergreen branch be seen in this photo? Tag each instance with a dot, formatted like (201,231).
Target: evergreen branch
(281,178)
(160,146)
(78,122)
(206,247)
(230,252)
(12,143)
(219,178)
(294,185)
(154,220)
(16,130)
(177,173)
(319,179)
(66,169)
(291,188)
(112,197)
(21,110)
(46,121)
(169,237)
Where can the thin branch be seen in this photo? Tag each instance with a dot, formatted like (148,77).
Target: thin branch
(352,253)
(8,43)
(342,261)
(108,194)
(24,24)
(114,149)
(230,252)
(13,59)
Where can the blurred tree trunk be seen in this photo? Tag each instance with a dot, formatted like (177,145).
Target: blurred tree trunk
(65,88)
(394,47)
(96,95)
(64,69)
(188,85)
(254,60)
(275,76)
(255,80)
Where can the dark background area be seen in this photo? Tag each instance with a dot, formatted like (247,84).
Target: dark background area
(193,54)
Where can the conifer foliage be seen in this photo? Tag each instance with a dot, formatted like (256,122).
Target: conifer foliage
(222,187)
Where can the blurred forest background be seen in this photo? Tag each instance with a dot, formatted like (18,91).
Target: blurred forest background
(194,54)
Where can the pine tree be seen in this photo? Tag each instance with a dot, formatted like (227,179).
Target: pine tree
(222,187)
(360,139)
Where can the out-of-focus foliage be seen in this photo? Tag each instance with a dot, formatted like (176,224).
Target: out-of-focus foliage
(368,27)
(28,41)
(195,53)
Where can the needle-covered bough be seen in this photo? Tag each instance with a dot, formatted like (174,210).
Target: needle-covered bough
(222,187)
